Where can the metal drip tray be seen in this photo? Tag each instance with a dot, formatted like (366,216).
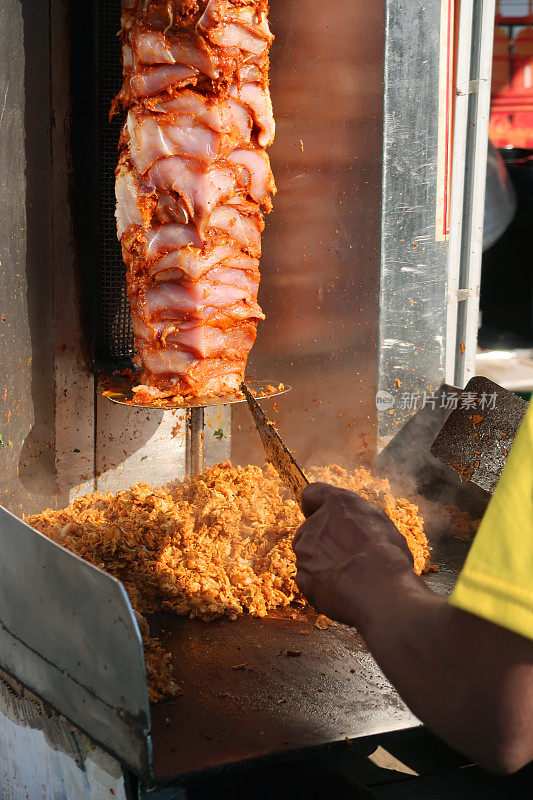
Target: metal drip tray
(119,389)
(260,687)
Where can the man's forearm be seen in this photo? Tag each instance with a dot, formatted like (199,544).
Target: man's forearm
(470,681)
(452,669)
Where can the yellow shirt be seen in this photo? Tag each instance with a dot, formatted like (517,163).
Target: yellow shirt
(497,580)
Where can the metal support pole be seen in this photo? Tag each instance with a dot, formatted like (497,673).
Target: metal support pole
(461,118)
(469,170)
(195,441)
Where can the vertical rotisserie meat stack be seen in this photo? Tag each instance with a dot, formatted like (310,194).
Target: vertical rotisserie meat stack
(192,183)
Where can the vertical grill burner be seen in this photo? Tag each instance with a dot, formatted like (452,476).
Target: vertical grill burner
(114,332)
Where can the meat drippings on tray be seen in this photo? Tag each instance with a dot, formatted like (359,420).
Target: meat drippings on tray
(192,185)
(219,544)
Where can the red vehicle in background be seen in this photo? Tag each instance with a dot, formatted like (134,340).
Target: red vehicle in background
(511,122)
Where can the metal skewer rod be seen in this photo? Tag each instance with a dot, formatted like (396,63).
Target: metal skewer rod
(195,441)
(119,389)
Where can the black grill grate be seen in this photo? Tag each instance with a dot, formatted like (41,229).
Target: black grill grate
(114,333)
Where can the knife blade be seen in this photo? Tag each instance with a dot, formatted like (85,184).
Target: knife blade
(277,454)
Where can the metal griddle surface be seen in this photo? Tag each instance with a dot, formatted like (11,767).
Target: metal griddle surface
(277,702)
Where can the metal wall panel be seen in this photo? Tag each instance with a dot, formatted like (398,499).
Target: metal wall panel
(413,262)
(320,264)
(46,388)
(26,364)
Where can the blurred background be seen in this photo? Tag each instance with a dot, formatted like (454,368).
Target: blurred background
(506,318)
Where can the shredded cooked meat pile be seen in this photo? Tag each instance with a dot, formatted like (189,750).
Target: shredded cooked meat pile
(401,511)
(218,544)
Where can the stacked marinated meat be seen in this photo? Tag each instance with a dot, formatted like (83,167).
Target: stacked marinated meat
(192,183)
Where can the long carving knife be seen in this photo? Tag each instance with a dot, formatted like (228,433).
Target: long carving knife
(277,454)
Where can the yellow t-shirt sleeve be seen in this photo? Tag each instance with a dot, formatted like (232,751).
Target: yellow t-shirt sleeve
(497,580)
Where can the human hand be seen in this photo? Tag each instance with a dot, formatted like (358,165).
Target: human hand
(347,550)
